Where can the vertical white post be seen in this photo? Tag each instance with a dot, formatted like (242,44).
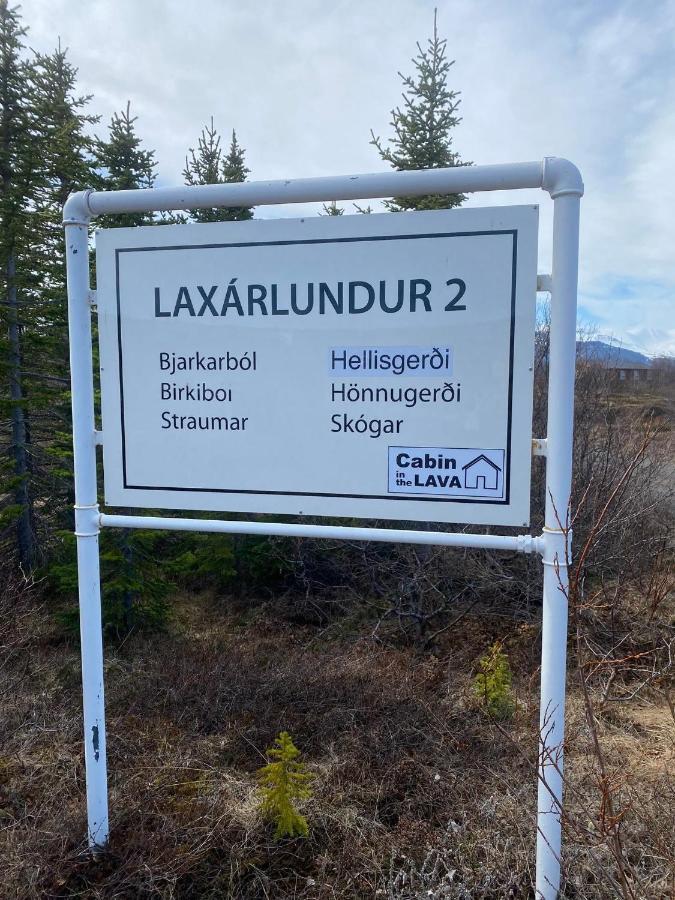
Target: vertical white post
(562,357)
(86,521)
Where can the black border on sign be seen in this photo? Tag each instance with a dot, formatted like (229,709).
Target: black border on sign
(342,240)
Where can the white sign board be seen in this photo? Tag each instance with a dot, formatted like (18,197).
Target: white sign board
(372,366)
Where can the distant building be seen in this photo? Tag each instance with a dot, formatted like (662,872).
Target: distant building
(631,373)
(627,367)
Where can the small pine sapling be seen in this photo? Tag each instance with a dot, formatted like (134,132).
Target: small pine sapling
(493,682)
(284,781)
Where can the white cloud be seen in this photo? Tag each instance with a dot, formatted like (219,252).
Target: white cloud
(304,81)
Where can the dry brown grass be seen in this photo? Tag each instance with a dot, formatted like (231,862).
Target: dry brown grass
(416,792)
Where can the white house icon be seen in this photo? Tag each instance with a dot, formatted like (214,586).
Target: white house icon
(481,472)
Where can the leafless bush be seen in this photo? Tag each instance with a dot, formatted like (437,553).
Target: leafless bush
(417,593)
(618,813)
(620,594)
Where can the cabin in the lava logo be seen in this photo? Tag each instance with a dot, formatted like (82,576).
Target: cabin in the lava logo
(481,474)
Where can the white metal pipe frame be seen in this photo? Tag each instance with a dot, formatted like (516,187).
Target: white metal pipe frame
(562,181)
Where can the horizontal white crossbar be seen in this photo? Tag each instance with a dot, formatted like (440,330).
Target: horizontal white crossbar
(522,543)
(553,174)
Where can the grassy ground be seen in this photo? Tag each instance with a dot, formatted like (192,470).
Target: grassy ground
(417,792)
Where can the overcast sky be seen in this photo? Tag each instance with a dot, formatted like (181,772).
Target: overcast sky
(304,81)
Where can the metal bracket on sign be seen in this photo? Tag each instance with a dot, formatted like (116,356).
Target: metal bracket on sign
(539,447)
(544,283)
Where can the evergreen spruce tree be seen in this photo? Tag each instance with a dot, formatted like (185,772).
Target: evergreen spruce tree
(207,165)
(235,170)
(422,128)
(122,164)
(132,593)
(204,166)
(423,140)
(43,156)
(18,162)
(65,150)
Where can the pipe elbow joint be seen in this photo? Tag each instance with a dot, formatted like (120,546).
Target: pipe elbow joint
(561,177)
(76,209)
